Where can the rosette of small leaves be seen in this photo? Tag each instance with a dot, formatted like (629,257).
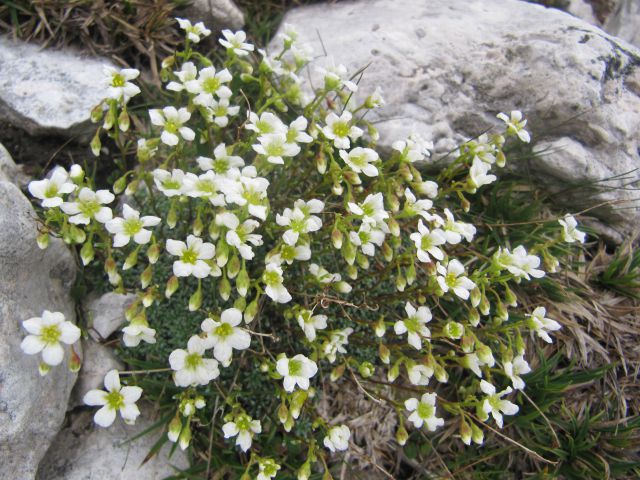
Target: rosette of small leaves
(310,256)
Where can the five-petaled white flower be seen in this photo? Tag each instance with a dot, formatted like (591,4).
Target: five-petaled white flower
(454,230)
(131,225)
(452,278)
(479,174)
(366,238)
(336,76)
(45,335)
(415,325)
(275,147)
(515,125)
(309,323)
(50,190)
(115,399)
(428,242)
(513,370)
(250,190)
(541,325)
(413,149)
(336,344)
(186,73)
(299,220)
(419,374)
(424,412)
(208,185)
(117,83)
(89,205)
(371,210)
(296,131)
(337,438)
(519,263)
(240,235)
(169,183)
(296,371)
(172,121)
(267,469)
(220,111)
(570,233)
(136,332)
(222,162)
(191,369)
(193,256)
(194,32)
(236,42)
(208,84)
(340,130)
(244,427)
(272,278)
(361,160)
(494,404)
(224,335)
(266,124)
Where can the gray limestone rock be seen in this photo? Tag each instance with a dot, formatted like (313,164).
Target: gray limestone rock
(47,91)
(9,171)
(32,408)
(216,14)
(85,451)
(447,69)
(106,313)
(624,22)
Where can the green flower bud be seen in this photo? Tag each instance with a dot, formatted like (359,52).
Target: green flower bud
(352,272)
(363,261)
(453,330)
(402,435)
(172,286)
(233,266)
(474,317)
(172,216)
(337,372)
(394,371)
(224,288)
(43,240)
(336,237)
(401,282)
(195,301)
(283,413)
(475,297)
(251,311)
(387,252)
(222,253)
(394,228)
(242,282)
(123,121)
(198,226)
(384,353)
(349,252)
(132,259)
(146,277)
(86,253)
(153,253)
(465,432)
(96,113)
(185,437)
(366,369)
(510,297)
(297,402)
(240,303)
(321,163)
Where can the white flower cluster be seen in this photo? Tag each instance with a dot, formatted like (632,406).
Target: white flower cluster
(244,194)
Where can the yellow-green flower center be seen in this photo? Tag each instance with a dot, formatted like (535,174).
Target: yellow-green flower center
(192,361)
(425,410)
(341,129)
(189,256)
(295,368)
(223,330)
(51,190)
(118,80)
(131,226)
(211,85)
(89,208)
(50,334)
(115,400)
(272,278)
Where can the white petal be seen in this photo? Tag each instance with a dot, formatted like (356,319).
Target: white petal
(105,416)
(53,354)
(95,397)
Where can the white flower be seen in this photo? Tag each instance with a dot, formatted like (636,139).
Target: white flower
(289,33)
(337,438)
(274,146)
(515,125)
(494,404)
(131,225)
(340,130)
(415,325)
(541,325)
(413,206)
(296,131)
(189,366)
(360,160)
(419,374)
(452,277)
(223,162)
(267,469)
(296,371)
(424,412)
(193,256)
(208,185)
(428,242)
(371,210)
(194,32)
(117,83)
(513,370)
(289,253)
(244,427)
(473,362)
(428,188)
(239,234)
(136,332)
(186,73)
(169,183)
(172,121)
(89,205)
(309,323)
(336,344)
(455,230)
(519,263)
(299,223)
(45,335)
(220,111)
(413,149)
(570,233)
(266,123)
(323,275)
(478,174)
(236,42)
(336,76)
(208,84)
(366,237)
(481,149)
(272,278)
(224,336)
(115,399)
(375,100)
(251,190)
(50,190)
